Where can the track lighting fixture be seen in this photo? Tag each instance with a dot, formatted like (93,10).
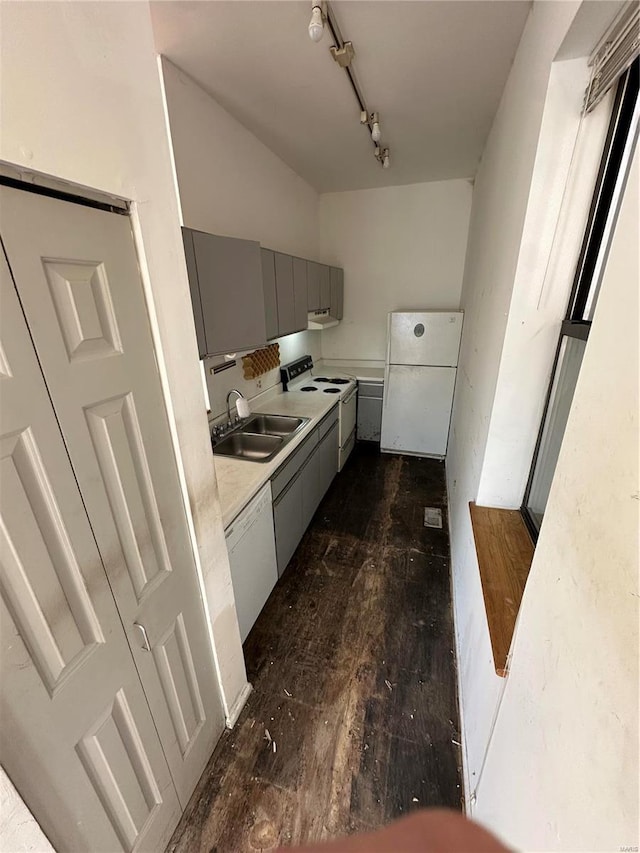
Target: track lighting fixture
(343,53)
(316,24)
(382,156)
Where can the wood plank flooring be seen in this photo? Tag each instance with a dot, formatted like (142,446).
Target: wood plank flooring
(353,720)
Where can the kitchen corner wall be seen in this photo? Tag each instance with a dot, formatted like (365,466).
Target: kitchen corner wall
(402,248)
(81,101)
(551,751)
(230,183)
(501,194)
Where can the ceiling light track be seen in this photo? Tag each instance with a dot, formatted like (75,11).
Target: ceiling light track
(343,53)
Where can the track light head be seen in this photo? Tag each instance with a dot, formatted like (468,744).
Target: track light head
(316,24)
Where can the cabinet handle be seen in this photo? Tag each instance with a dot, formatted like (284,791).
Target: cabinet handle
(142,636)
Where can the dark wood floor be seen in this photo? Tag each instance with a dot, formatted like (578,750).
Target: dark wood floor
(353,720)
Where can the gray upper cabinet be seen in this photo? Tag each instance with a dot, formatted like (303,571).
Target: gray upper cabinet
(229,282)
(192,271)
(325,286)
(284,290)
(270,294)
(313,286)
(337,293)
(300,293)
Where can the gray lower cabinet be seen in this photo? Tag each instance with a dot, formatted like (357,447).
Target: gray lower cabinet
(225,276)
(369,420)
(337,293)
(300,484)
(311,495)
(328,459)
(287,519)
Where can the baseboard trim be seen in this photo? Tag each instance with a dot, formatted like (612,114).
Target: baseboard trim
(238,705)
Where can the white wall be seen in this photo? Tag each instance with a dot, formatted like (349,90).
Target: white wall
(562,770)
(551,751)
(564,176)
(19,831)
(230,183)
(81,100)
(500,199)
(401,248)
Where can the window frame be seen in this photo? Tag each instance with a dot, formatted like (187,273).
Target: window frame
(603,212)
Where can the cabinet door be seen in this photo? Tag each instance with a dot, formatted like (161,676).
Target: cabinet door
(300,293)
(325,286)
(337,292)
(284,289)
(230,282)
(311,495)
(287,518)
(196,304)
(313,286)
(369,418)
(269,291)
(328,459)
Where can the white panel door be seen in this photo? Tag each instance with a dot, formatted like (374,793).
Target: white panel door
(77,274)
(416,409)
(77,737)
(426,337)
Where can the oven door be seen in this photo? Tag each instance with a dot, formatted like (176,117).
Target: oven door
(347,416)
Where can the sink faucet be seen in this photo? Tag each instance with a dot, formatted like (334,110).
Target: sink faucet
(240,396)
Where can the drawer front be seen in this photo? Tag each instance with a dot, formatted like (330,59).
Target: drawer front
(326,424)
(371,389)
(291,467)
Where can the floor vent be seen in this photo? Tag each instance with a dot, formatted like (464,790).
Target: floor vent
(432,517)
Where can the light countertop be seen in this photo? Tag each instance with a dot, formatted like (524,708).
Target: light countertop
(238,479)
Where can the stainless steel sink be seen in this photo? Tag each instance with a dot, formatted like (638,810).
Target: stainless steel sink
(250,445)
(260,438)
(273,424)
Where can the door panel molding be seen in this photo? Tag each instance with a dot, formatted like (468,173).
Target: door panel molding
(115,431)
(116,761)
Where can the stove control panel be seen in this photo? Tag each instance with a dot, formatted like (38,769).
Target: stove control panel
(294,369)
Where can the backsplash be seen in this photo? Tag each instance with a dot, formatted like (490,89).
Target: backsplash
(291,347)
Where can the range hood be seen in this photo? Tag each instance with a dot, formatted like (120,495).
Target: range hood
(321,320)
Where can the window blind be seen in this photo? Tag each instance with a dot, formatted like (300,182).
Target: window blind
(614,53)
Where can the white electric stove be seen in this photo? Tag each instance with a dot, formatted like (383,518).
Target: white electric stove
(299,377)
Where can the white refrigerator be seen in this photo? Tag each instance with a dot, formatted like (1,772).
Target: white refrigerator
(420,377)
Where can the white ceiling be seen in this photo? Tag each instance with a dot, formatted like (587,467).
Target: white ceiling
(433,69)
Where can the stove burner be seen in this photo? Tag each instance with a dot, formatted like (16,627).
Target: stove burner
(339,381)
(322,379)
(308,388)
(331,390)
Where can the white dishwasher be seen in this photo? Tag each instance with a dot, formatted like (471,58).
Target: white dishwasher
(252,554)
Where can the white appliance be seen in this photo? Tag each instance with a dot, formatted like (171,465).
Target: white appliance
(252,555)
(298,378)
(420,377)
